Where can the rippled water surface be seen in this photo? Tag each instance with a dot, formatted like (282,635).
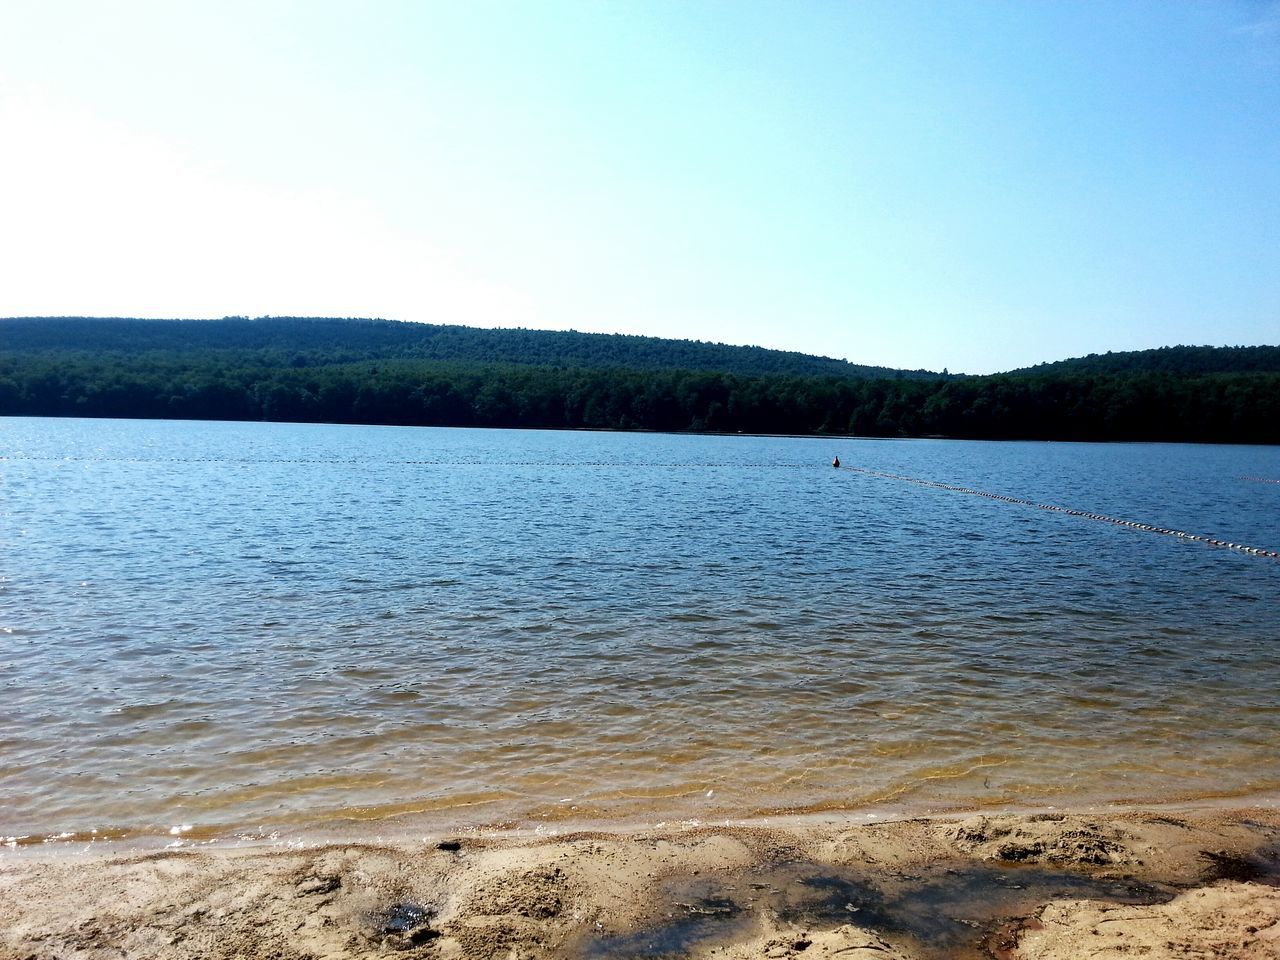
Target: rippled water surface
(246,625)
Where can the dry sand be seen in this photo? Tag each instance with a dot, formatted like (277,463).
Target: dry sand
(1046,887)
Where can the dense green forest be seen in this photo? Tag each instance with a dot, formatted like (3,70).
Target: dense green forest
(275,372)
(320,341)
(1180,361)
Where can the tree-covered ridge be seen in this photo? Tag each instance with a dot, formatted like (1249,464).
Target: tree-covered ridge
(1239,408)
(43,373)
(1178,361)
(307,342)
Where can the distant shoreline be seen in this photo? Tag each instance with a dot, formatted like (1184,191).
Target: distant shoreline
(834,438)
(332,370)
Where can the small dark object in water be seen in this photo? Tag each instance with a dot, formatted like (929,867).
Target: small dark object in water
(452,846)
(1002,943)
(717,907)
(835,462)
(405,918)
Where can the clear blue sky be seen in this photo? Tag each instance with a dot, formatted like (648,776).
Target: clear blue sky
(976,186)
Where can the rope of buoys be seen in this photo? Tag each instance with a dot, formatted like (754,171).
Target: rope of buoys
(1100,517)
(629,464)
(1260,480)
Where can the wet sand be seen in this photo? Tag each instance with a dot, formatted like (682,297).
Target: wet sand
(1046,886)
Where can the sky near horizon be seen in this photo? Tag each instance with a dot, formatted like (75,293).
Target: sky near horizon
(977,186)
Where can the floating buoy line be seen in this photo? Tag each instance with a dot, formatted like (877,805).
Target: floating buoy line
(933,484)
(488,464)
(1054,508)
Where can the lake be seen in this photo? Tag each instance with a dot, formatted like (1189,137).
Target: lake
(258,626)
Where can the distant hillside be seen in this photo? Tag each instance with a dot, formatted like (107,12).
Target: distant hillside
(1176,361)
(311,342)
(371,371)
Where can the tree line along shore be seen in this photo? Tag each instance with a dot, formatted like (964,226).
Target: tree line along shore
(368,371)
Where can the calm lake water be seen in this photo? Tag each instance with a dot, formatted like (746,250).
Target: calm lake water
(249,626)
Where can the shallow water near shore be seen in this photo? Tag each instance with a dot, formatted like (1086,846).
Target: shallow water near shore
(246,626)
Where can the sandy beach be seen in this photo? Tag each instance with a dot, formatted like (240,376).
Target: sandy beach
(1047,886)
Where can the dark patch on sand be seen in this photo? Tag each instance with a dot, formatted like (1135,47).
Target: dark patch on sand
(406,924)
(689,924)
(962,910)
(1260,866)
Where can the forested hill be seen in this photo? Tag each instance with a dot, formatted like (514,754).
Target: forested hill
(1181,361)
(312,342)
(365,371)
